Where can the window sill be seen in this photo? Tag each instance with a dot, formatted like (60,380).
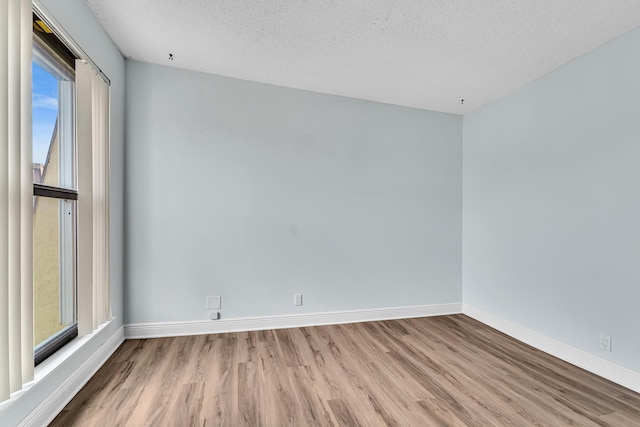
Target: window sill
(58,379)
(55,360)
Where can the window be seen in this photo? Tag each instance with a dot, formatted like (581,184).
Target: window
(55,192)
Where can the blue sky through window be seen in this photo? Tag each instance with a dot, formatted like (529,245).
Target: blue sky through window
(45,111)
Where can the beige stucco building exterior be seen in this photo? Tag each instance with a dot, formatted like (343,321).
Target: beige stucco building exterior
(46,251)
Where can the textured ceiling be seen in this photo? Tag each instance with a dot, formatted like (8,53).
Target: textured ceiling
(427,54)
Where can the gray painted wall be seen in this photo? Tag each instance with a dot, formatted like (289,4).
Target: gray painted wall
(255,192)
(551,190)
(76,18)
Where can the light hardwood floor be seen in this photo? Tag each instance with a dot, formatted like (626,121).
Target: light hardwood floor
(448,370)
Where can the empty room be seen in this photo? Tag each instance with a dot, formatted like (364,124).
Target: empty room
(319,213)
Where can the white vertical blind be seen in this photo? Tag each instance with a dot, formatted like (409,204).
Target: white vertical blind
(102,297)
(16,277)
(85,198)
(26,225)
(93,198)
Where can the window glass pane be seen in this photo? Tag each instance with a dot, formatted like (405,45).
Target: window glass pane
(53,267)
(53,123)
(45,115)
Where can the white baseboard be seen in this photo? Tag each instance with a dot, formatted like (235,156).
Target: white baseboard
(172,329)
(50,407)
(618,374)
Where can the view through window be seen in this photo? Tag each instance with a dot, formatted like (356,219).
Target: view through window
(55,195)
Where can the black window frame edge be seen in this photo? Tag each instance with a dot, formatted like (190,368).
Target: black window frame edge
(55,344)
(41,190)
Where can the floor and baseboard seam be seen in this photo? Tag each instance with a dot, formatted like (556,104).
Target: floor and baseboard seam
(603,368)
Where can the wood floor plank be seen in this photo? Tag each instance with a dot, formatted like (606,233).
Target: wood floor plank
(249,392)
(343,413)
(310,410)
(278,396)
(436,371)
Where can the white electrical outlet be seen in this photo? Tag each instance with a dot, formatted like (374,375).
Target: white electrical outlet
(214,315)
(297,299)
(213,303)
(605,342)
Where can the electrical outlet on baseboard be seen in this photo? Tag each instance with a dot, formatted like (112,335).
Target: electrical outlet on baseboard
(297,300)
